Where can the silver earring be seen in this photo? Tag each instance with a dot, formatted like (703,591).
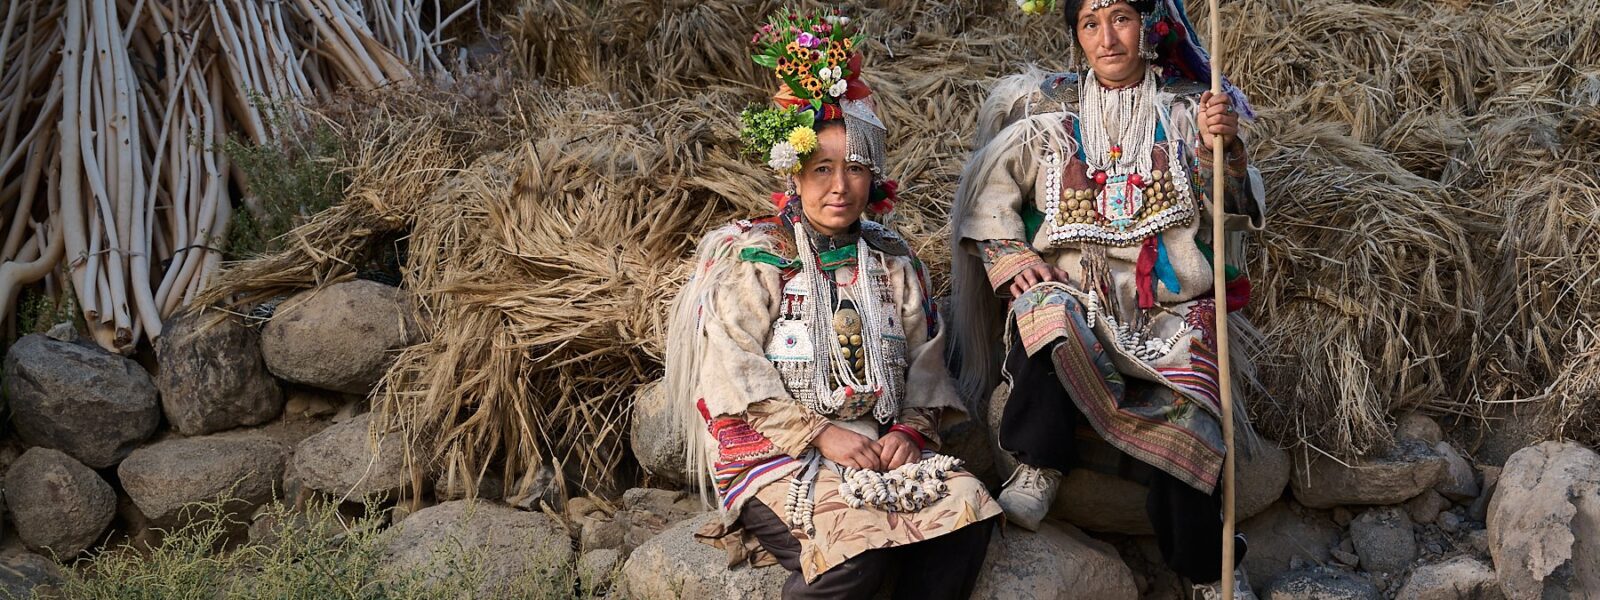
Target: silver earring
(1145,50)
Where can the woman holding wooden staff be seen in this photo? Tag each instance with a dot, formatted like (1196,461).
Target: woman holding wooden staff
(1086,206)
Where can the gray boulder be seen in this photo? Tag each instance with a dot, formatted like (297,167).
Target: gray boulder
(1384,539)
(212,376)
(1058,562)
(1460,578)
(342,337)
(1459,481)
(25,574)
(596,568)
(1394,478)
(1286,534)
(164,477)
(59,506)
(656,437)
(1420,427)
(79,399)
(1544,522)
(674,565)
(646,512)
(509,548)
(343,460)
(1321,583)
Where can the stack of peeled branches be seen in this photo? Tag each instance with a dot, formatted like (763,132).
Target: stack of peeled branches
(115,195)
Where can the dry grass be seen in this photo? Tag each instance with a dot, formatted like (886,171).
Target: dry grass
(1431,171)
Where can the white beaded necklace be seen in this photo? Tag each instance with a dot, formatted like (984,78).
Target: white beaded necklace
(830,363)
(1118,126)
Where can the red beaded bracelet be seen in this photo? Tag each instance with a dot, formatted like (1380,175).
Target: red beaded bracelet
(916,436)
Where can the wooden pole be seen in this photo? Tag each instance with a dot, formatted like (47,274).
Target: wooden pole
(1219,283)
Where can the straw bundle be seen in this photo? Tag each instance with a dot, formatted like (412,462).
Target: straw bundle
(1430,173)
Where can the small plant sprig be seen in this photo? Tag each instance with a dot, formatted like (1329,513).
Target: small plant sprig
(783,135)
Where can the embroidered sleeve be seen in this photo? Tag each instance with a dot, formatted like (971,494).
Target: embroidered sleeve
(1244,193)
(1004,259)
(790,426)
(925,421)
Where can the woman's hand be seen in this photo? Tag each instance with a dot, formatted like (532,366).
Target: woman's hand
(1217,116)
(897,449)
(1036,275)
(849,448)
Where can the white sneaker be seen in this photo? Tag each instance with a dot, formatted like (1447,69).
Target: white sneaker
(1027,495)
(1241,588)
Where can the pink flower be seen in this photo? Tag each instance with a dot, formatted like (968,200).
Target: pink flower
(755,39)
(809,41)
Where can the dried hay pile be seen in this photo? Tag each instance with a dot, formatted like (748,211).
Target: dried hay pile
(1431,171)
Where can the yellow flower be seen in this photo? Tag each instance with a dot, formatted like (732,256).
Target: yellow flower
(803,139)
(811,84)
(794,49)
(849,43)
(836,55)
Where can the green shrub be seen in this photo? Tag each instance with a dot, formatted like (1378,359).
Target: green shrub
(292,179)
(311,554)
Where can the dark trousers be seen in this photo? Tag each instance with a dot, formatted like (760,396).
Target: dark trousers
(1039,427)
(945,567)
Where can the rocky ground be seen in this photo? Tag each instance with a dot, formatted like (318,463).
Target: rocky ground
(105,450)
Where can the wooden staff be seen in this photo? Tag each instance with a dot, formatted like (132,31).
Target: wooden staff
(1219,283)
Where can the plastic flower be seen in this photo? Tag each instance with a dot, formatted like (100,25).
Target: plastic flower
(783,158)
(803,139)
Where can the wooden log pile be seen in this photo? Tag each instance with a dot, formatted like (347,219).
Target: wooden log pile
(114,192)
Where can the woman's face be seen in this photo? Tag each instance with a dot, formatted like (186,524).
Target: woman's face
(833,191)
(1110,39)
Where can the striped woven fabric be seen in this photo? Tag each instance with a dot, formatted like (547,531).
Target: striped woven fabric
(1150,415)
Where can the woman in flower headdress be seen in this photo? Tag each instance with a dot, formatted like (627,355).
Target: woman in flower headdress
(807,361)
(1084,210)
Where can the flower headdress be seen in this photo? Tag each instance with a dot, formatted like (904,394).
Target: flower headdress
(1171,36)
(814,58)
